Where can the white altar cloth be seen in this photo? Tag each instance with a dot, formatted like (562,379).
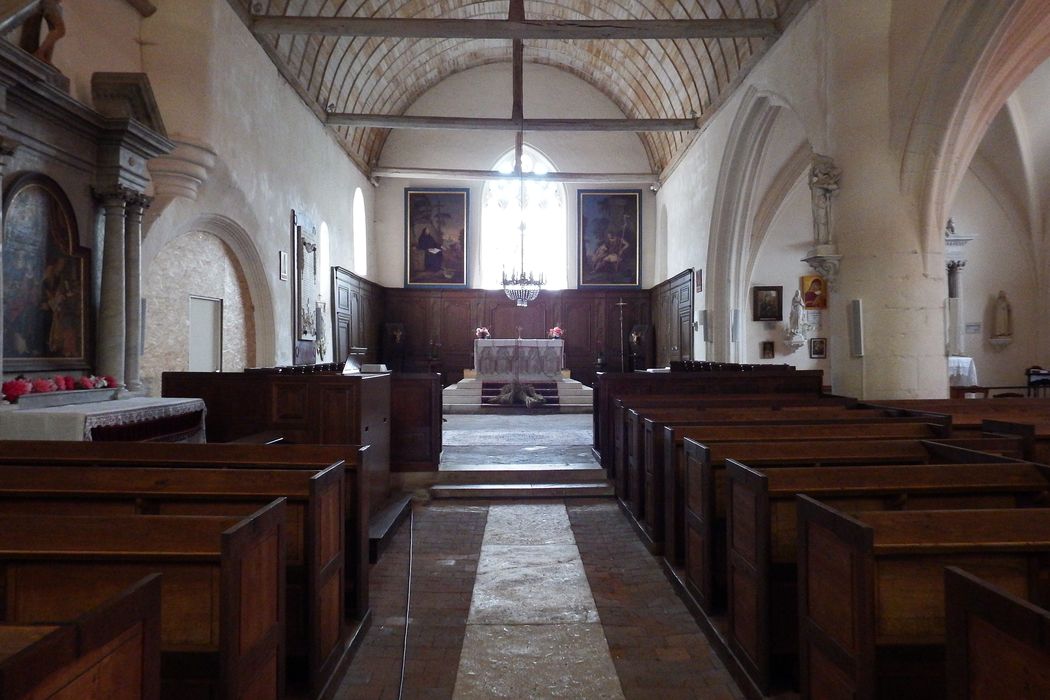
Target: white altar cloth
(961,371)
(76,421)
(527,360)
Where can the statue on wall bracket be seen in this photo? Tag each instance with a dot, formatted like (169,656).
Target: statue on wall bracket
(824,178)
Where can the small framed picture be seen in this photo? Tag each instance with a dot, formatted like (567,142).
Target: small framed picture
(698,281)
(768,351)
(818,348)
(767,303)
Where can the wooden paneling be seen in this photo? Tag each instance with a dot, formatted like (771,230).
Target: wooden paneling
(415,414)
(357,312)
(672,303)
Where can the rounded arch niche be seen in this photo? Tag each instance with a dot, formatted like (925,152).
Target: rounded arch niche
(247,256)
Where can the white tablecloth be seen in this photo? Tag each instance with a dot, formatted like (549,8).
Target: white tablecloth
(75,422)
(961,371)
(530,359)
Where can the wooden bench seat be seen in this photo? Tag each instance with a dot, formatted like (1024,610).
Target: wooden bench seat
(111,652)
(222,591)
(231,456)
(705,488)
(998,645)
(315,578)
(663,480)
(871,590)
(762,534)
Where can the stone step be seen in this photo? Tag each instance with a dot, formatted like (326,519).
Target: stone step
(478,408)
(523,474)
(518,490)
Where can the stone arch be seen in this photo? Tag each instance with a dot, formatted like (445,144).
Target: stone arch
(240,242)
(978,56)
(733,228)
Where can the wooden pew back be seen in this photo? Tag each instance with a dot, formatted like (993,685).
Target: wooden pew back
(871,589)
(222,594)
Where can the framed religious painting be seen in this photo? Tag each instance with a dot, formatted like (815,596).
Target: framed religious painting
(767,303)
(46,277)
(814,292)
(609,237)
(305,264)
(818,348)
(436,229)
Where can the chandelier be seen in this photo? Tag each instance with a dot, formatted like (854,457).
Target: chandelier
(521,286)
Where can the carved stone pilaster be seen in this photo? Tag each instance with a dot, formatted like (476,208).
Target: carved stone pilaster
(7,151)
(111,315)
(136,206)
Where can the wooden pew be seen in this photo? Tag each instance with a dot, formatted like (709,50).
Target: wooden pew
(998,645)
(630,412)
(664,460)
(608,386)
(222,592)
(761,536)
(971,414)
(223,456)
(111,652)
(705,488)
(315,579)
(644,424)
(871,590)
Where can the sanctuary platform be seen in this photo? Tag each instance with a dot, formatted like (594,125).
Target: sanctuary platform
(469,394)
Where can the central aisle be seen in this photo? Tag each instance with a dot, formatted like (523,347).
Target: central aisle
(533,629)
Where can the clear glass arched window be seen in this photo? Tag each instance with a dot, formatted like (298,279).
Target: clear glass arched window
(542,217)
(360,232)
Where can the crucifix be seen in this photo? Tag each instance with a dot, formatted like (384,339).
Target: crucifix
(620,304)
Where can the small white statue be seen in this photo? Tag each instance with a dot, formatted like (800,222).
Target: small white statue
(1003,327)
(796,320)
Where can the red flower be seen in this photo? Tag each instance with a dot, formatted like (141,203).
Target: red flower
(43,386)
(86,383)
(15,388)
(71,383)
(111,382)
(60,382)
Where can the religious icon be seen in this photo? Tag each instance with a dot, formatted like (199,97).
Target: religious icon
(768,351)
(814,292)
(766,303)
(818,348)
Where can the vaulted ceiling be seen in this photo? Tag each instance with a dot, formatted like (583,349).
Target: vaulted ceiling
(355,68)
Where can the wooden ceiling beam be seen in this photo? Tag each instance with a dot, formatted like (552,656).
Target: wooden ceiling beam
(383,121)
(517,28)
(454,174)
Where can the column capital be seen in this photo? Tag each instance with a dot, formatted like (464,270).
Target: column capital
(115,196)
(954,265)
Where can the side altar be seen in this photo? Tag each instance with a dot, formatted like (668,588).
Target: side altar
(524,360)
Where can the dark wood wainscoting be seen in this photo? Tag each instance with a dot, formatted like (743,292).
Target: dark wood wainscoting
(445,321)
(435,328)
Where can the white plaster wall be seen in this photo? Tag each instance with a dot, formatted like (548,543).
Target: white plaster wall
(779,263)
(215,86)
(485,91)
(998,259)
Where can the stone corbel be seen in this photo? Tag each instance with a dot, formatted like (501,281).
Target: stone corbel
(181,173)
(825,260)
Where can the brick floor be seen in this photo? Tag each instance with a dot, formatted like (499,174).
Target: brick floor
(656,646)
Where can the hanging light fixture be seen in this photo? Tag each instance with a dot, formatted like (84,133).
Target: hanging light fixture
(521,286)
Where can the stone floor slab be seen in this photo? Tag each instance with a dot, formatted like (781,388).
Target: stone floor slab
(536,661)
(521,584)
(539,524)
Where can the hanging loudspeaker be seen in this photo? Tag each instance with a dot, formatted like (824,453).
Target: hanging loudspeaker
(856,329)
(707,328)
(734,326)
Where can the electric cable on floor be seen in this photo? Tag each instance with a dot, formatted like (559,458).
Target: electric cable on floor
(408,604)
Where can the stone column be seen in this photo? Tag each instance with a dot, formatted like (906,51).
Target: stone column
(7,149)
(132,290)
(111,319)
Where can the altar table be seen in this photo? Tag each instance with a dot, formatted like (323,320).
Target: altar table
(526,360)
(138,418)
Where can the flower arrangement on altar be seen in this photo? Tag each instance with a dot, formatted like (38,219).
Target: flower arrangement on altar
(555,332)
(20,385)
(482,332)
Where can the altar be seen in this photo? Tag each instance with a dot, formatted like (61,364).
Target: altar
(130,419)
(526,360)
